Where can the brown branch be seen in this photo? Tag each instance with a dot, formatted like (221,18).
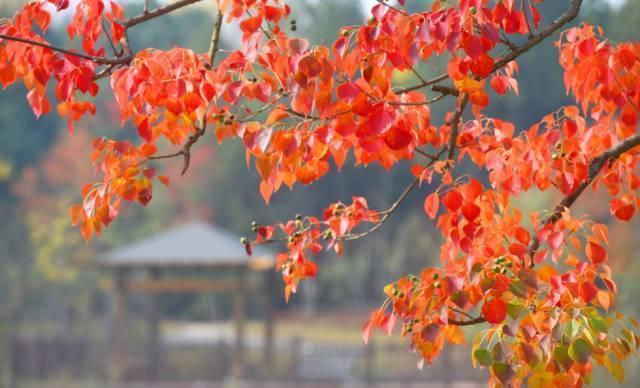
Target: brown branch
(455,125)
(185,152)
(163,10)
(445,90)
(549,30)
(421,85)
(595,166)
(99,60)
(470,322)
(215,39)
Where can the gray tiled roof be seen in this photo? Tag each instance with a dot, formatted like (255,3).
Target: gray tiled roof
(190,244)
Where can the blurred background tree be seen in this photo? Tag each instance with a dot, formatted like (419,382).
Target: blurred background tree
(44,272)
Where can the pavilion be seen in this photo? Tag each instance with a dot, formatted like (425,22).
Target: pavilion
(194,245)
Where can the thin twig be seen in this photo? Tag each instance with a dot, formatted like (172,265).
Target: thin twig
(99,60)
(392,7)
(165,9)
(387,213)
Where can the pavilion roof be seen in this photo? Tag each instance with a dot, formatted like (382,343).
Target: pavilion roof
(190,244)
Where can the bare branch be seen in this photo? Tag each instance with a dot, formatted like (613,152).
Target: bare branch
(470,322)
(455,125)
(215,39)
(387,213)
(163,10)
(386,4)
(99,60)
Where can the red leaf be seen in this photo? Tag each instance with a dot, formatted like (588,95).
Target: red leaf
(398,137)
(495,311)
(596,252)
(588,292)
(452,200)
(499,84)
(144,130)
(348,91)
(251,25)
(470,211)
(622,210)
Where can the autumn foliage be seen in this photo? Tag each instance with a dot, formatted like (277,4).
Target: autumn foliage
(538,284)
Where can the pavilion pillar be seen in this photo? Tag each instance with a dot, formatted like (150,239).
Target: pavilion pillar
(153,350)
(118,364)
(238,317)
(269,291)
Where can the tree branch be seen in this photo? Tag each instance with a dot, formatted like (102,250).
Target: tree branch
(392,7)
(387,213)
(215,39)
(165,9)
(470,322)
(517,51)
(549,30)
(455,125)
(99,60)
(595,166)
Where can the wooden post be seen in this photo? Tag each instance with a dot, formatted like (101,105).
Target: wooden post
(238,317)
(369,362)
(269,291)
(118,357)
(153,357)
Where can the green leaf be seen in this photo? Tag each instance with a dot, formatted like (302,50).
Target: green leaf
(514,309)
(561,355)
(580,351)
(483,357)
(598,324)
(503,372)
(571,328)
(519,288)
(540,379)
(486,284)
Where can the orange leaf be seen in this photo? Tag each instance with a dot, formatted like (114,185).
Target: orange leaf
(75,211)
(266,190)
(431,204)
